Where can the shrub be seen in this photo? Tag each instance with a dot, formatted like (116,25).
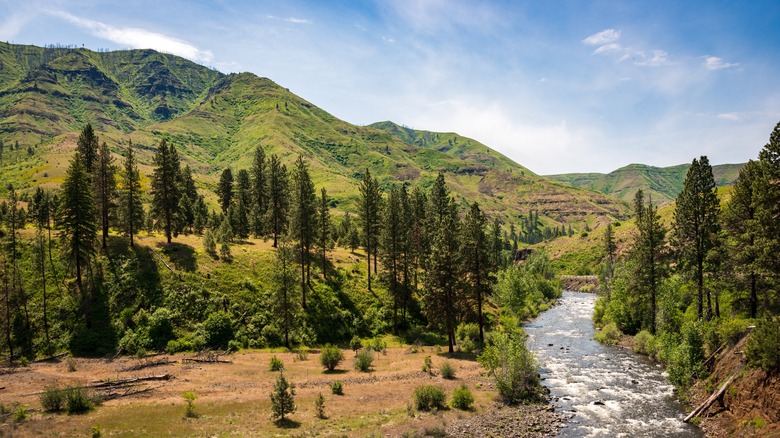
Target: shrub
(609,335)
(189,408)
(467,336)
(282,398)
(447,370)
(53,399)
(302,353)
(377,345)
(218,330)
(77,400)
(512,366)
(762,347)
(644,343)
(20,414)
(364,360)
(429,397)
(337,388)
(331,357)
(276,364)
(462,398)
(319,405)
(178,345)
(71,364)
(427,364)
(355,344)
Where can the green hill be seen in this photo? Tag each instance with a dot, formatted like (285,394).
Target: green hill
(215,120)
(663,184)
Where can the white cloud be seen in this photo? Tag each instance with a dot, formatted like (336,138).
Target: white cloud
(298,20)
(715,63)
(608,48)
(734,117)
(138,38)
(606,36)
(659,58)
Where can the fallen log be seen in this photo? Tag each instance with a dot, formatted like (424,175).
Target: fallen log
(128,392)
(717,395)
(148,364)
(50,358)
(125,382)
(207,360)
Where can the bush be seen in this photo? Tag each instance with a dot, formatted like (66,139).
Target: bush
(447,370)
(218,330)
(462,398)
(762,346)
(429,397)
(427,364)
(189,409)
(53,399)
(377,345)
(644,343)
(302,353)
(355,344)
(319,406)
(467,336)
(512,366)
(77,400)
(276,364)
(337,388)
(364,360)
(178,345)
(331,357)
(609,334)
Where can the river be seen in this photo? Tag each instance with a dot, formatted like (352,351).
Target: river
(608,391)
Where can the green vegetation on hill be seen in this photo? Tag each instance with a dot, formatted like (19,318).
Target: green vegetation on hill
(661,184)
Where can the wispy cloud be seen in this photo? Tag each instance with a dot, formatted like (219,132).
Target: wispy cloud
(657,59)
(608,48)
(293,20)
(734,117)
(715,63)
(606,36)
(138,38)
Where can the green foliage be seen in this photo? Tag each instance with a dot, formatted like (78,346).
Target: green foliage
(331,357)
(462,398)
(427,364)
(78,400)
(53,399)
(364,360)
(355,344)
(189,408)
(319,406)
(762,347)
(523,288)
(467,335)
(447,370)
(377,345)
(282,398)
(20,414)
(512,366)
(609,335)
(644,343)
(95,431)
(218,330)
(684,355)
(337,388)
(276,364)
(429,397)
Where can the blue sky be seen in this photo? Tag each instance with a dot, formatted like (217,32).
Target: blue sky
(558,86)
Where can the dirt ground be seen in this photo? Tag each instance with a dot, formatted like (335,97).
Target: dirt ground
(233,398)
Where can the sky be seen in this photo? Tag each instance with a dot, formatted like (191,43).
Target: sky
(558,86)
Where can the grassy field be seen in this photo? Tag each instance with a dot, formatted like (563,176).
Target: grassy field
(233,398)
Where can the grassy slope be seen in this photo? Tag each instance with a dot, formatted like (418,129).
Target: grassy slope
(215,120)
(662,183)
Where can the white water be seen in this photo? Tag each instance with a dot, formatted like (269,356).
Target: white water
(608,391)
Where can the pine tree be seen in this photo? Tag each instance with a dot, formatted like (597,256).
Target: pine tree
(165,189)
(21,327)
(243,202)
(304,221)
(278,202)
(225,190)
(695,225)
(649,253)
(610,252)
(282,398)
(259,183)
(323,230)
(767,201)
(104,181)
(391,246)
(77,219)
(284,299)
(41,215)
(131,209)
(87,147)
(476,257)
(369,217)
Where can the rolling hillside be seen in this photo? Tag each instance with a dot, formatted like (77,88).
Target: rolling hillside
(663,184)
(48,94)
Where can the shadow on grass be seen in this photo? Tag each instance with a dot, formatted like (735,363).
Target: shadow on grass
(181,255)
(461,355)
(287,423)
(335,372)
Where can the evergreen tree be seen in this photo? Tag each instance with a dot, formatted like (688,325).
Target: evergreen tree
(40,210)
(165,189)
(87,147)
(77,219)
(284,300)
(476,260)
(104,181)
(767,201)
(282,398)
(20,325)
(200,215)
(304,220)
(243,202)
(323,230)
(391,247)
(649,254)
(369,203)
(131,209)
(496,245)
(278,202)
(225,190)
(610,252)
(187,184)
(259,186)
(740,222)
(695,225)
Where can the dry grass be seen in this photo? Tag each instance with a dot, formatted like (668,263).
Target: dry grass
(233,399)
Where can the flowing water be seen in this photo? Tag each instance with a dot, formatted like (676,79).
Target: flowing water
(608,391)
